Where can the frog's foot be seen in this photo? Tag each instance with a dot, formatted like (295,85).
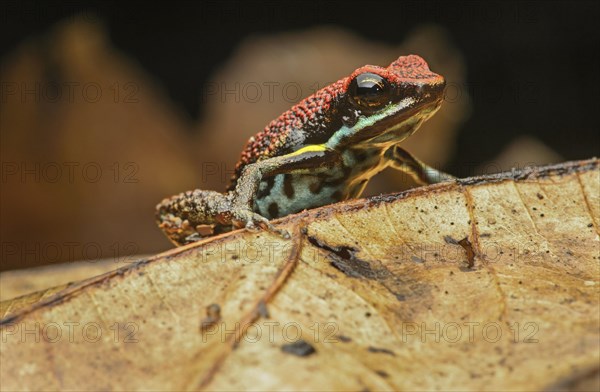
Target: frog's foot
(421,173)
(180,231)
(241,217)
(189,216)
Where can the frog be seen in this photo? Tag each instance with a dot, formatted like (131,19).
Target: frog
(323,150)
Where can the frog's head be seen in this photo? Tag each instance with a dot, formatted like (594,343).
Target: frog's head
(383,106)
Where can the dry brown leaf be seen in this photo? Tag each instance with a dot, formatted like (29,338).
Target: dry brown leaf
(489,283)
(37,280)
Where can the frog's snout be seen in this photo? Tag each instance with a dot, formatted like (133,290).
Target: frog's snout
(429,91)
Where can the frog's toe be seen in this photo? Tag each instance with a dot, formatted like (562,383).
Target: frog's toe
(192,238)
(269,227)
(284,233)
(176,229)
(259,221)
(253,221)
(250,225)
(243,218)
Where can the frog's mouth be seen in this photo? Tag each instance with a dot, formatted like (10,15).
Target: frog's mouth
(395,128)
(391,125)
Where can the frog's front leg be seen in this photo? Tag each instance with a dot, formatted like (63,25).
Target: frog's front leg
(423,174)
(309,159)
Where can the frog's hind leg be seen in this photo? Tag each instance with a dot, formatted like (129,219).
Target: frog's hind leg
(191,215)
(423,174)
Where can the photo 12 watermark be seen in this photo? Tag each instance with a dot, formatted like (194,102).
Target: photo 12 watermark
(47,252)
(469,331)
(70,92)
(69,172)
(69,332)
(271,331)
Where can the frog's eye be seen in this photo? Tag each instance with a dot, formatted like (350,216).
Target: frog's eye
(369,90)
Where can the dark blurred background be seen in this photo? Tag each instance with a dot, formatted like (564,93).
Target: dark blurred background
(107,107)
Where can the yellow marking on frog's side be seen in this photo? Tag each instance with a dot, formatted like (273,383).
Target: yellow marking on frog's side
(309,148)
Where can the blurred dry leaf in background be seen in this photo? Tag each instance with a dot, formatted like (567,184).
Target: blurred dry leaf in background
(88,167)
(482,284)
(521,152)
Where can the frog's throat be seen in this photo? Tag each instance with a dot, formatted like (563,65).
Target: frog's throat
(392,124)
